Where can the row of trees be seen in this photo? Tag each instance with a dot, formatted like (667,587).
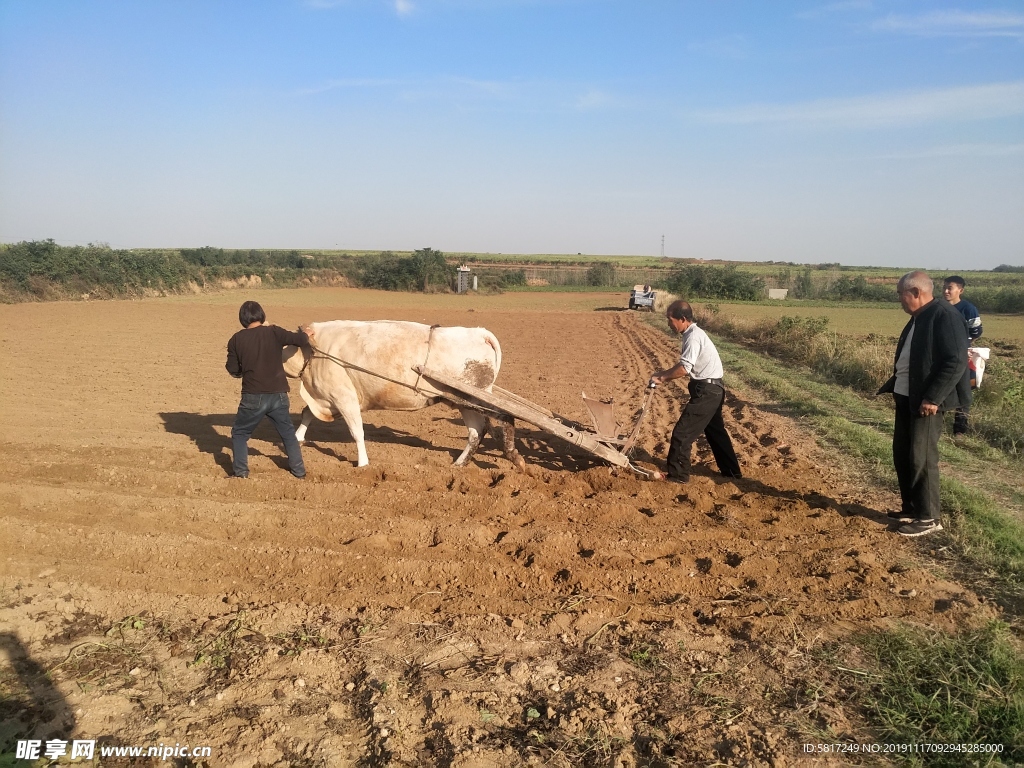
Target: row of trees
(218,257)
(36,267)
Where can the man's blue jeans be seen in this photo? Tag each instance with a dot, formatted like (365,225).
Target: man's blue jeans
(251,411)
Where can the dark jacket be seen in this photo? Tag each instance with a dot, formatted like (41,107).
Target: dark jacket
(254,356)
(938,356)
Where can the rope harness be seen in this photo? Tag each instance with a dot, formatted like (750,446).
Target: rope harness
(346,364)
(449,397)
(317,352)
(430,335)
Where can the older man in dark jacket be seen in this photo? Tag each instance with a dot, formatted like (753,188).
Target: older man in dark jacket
(930,359)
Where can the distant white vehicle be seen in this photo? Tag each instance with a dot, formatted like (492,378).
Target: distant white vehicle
(642,297)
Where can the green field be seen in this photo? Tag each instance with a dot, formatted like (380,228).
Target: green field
(865,319)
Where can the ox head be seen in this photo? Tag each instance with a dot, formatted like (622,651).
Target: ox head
(294,360)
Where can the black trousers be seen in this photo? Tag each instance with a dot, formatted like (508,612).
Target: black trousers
(702,414)
(915,455)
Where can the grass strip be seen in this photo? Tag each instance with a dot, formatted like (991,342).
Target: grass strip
(965,689)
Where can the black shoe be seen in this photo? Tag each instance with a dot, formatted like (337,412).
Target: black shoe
(920,528)
(238,477)
(734,475)
(903,517)
(679,479)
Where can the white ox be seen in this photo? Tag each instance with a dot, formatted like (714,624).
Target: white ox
(372,369)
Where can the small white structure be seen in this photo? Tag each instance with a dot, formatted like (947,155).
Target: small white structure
(976,357)
(462,281)
(778,293)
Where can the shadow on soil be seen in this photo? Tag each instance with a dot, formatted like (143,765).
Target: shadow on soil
(31,707)
(211,434)
(816,501)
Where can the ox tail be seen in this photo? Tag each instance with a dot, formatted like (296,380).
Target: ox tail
(492,342)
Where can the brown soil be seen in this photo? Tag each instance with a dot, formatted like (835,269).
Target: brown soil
(411,613)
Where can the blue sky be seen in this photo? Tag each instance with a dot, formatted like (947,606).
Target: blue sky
(885,132)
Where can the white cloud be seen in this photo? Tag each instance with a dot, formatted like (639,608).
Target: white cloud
(839,7)
(324,4)
(728,47)
(955,24)
(957,150)
(333,85)
(404,7)
(977,102)
(594,99)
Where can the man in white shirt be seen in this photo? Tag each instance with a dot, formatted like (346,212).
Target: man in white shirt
(700,361)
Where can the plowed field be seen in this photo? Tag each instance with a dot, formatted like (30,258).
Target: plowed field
(409,612)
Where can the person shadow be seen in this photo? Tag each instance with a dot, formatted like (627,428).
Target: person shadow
(211,434)
(817,502)
(31,707)
(203,429)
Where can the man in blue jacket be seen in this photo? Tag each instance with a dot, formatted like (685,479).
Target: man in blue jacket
(931,357)
(952,288)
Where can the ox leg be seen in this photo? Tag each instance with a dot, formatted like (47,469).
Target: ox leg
(354,421)
(508,435)
(477,425)
(307,419)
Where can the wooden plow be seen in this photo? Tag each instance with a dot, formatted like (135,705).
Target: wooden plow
(604,440)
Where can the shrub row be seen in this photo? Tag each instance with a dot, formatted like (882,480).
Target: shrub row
(29,266)
(425,270)
(711,282)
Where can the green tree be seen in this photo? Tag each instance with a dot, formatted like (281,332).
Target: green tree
(430,268)
(601,273)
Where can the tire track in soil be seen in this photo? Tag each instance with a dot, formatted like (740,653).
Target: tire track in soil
(646,353)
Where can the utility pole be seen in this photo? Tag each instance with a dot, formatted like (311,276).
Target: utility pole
(662,246)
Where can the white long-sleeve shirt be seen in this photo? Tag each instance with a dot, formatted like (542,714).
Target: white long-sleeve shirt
(903,367)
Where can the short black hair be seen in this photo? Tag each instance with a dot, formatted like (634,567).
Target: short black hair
(251,312)
(680,310)
(955,279)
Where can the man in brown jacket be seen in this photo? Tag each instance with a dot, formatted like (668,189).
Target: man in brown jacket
(254,356)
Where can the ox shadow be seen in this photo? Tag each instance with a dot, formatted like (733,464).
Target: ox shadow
(539,448)
(322,434)
(31,707)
